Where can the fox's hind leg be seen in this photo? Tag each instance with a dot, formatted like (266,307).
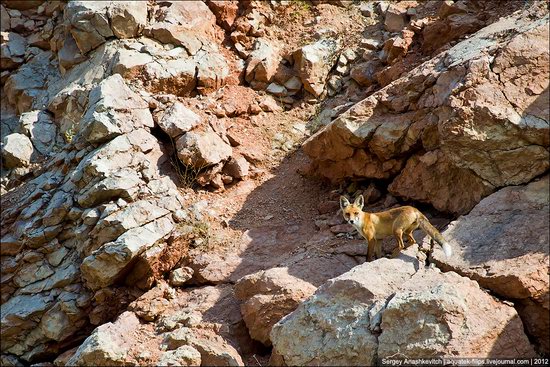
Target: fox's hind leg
(408,232)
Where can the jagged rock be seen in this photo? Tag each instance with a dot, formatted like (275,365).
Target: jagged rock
(212,70)
(313,63)
(114,109)
(17,150)
(202,149)
(177,16)
(180,276)
(474,141)
(388,298)
(108,343)
(12,50)
(430,173)
(364,73)
(182,356)
(225,12)
(4,19)
(395,18)
(346,305)
(90,23)
(41,129)
(262,63)
(25,87)
(178,120)
(69,55)
(397,47)
(238,167)
(128,18)
(486,240)
(268,296)
(172,76)
(101,269)
(130,63)
(453,27)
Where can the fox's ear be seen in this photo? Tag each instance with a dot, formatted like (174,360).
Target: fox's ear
(344,202)
(359,201)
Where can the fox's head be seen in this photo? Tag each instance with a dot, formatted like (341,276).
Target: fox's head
(352,212)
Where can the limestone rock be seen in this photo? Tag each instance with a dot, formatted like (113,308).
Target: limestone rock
(182,356)
(365,314)
(180,276)
(262,63)
(101,268)
(458,109)
(503,244)
(128,18)
(108,344)
(268,296)
(113,109)
(178,120)
(90,23)
(17,150)
(434,178)
(395,18)
(202,149)
(458,318)
(12,50)
(313,63)
(346,312)
(41,129)
(238,167)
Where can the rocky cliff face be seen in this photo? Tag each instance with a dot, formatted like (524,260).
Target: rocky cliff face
(152,212)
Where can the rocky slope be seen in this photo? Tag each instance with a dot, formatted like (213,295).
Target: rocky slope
(158,207)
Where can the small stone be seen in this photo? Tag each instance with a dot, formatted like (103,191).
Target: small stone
(180,276)
(17,150)
(276,89)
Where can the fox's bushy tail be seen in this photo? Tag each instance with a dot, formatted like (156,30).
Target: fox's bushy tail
(434,233)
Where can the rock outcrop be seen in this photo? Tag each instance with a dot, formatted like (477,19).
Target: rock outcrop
(463,114)
(503,245)
(374,310)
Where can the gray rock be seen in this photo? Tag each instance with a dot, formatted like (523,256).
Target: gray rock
(202,149)
(180,276)
(12,50)
(262,62)
(106,346)
(101,268)
(114,109)
(41,129)
(182,356)
(178,120)
(4,19)
(237,167)
(314,62)
(17,150)
(276,90)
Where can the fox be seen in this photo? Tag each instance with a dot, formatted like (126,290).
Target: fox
(397,222)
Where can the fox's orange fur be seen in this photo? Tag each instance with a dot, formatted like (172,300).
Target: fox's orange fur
(394,222)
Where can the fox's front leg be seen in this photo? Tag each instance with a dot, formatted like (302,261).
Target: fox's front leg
(372,247)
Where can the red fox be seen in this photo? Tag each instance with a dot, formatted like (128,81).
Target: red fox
(396,222)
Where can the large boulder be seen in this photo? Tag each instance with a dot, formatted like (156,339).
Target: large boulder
(268,296)
(92,22)
(313,63)
(113,109)
(394,309)
(41,129)
(459,117)
(503,244)
(17,150)
(108,345)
